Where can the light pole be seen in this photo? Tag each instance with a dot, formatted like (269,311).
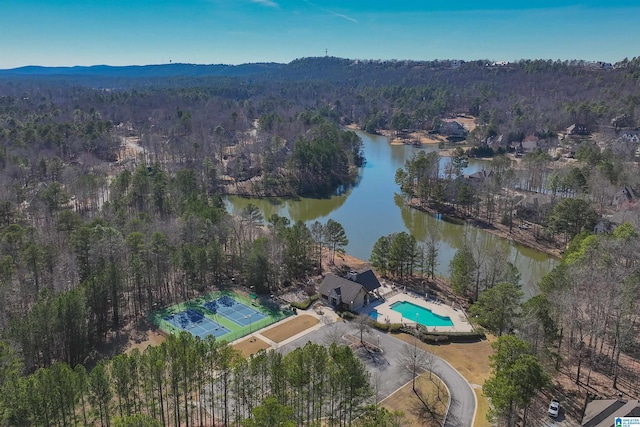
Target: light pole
(415,356)
(378,341)
(249,316)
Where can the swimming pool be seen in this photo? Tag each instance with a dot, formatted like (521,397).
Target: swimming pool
(423,315)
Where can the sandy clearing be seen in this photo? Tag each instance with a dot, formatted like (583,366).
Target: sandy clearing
(290,328)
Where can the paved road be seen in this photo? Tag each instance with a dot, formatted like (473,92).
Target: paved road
(388,375)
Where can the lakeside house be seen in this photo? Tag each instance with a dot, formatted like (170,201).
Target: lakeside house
(351,292)
(578,129)
(453,130)
(496,142)
(610,223)
(535,206)
(630,216)
(626,195)
(632,136)
(603,412)
(528,145)
(478,178)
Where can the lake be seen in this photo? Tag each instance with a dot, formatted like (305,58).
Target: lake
(374,208)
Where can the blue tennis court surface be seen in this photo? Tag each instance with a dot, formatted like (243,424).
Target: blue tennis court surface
(195,323)
(234,310)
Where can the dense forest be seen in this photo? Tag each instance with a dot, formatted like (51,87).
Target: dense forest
(112,185)
(186,381)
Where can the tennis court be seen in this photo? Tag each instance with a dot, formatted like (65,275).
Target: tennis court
(226,315)
(194,322)
(234,310)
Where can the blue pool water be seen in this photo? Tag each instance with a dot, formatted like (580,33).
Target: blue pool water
(373,314)
(424,316)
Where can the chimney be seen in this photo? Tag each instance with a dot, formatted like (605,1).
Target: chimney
(352,275)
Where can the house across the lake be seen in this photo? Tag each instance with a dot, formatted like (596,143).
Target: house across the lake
(350,293)
(578,129)
(603,412)
(478,178)
(453,130)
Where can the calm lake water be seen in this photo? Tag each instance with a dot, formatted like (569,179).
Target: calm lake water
(373,208)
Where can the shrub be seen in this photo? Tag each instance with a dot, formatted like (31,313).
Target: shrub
(347,315)
(380,326)
(395,327)
(466,336)
(303,305)
(434,339)
(440,337)
(458,337)
(387,327)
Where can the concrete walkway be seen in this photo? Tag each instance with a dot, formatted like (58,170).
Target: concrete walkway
(437,307)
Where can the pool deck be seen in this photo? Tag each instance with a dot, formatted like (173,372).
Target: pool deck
(383,307)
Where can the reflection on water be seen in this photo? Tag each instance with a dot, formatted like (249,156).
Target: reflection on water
(373,208)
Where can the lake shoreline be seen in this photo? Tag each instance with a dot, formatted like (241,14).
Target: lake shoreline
(524,237)
(373,209)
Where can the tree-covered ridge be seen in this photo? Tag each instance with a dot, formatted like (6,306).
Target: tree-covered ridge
(527,96)
(186,381)
(326,160)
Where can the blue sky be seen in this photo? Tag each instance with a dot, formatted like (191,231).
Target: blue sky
(119,32)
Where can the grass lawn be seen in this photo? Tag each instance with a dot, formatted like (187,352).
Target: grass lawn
(406,401)
(472,361)
(290,328)
(250,345)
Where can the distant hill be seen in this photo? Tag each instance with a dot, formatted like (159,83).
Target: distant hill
(311,68)
(328,69)
(147,71)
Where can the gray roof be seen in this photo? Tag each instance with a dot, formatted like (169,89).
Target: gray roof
(537,201)
(632,217)
(452,128)
(601,413)
(481,174)
(346,287)
(368,280)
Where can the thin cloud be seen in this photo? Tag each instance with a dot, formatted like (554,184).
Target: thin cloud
(339,15)
(268,3)
(331,12)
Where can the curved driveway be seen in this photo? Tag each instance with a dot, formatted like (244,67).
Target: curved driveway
(387,374)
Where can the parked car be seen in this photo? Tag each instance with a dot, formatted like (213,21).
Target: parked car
(554,408)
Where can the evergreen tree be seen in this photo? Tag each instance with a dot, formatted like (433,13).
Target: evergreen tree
(380,254)
(517,376)
(498,308)
(461,270)
(336,238)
